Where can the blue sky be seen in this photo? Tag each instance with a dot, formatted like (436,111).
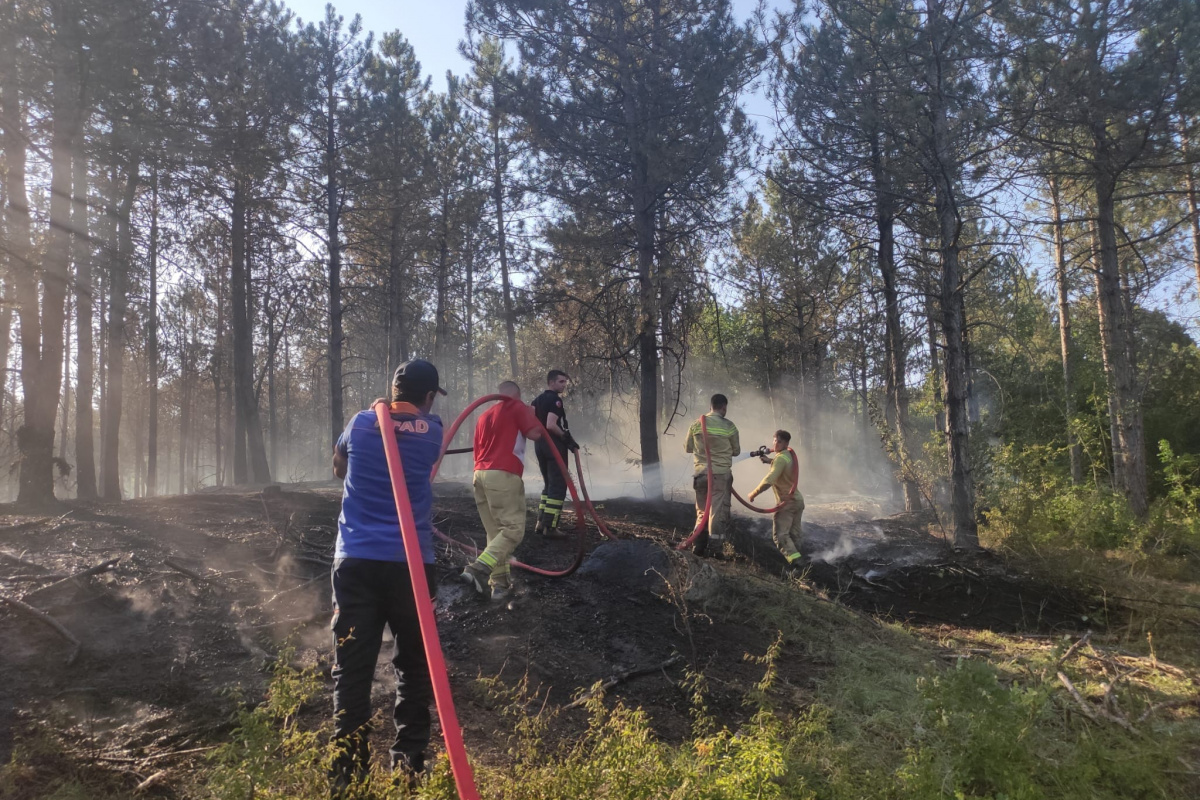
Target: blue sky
(434,27)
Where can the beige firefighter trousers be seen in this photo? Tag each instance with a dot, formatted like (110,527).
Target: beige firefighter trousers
(500,498)
(718,521)
(785,526)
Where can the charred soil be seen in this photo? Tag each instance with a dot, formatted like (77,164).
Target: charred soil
(205,588)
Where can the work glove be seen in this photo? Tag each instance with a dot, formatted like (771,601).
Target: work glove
(572,445)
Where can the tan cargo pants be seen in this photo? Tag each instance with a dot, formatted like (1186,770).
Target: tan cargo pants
(718,520)
(786,528)
(500,498)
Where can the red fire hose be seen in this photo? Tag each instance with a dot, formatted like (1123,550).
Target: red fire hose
(464,780)
(587,501)
(703,523)
(580,525)
(790,495)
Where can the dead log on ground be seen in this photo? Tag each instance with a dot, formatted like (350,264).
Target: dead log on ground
(96,570)
(181,569)
(46,619)
(622,677)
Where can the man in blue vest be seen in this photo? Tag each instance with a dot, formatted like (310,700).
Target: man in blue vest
(371,584)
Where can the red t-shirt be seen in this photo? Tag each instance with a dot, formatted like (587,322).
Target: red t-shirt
(500,436)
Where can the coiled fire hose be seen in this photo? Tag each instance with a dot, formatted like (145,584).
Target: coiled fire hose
(464,779)
(703,522)
(791,493)
(580,525)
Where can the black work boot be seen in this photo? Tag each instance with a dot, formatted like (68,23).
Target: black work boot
(350,766)
(409,768)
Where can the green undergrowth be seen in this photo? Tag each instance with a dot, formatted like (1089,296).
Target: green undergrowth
(880,712)
(845,708)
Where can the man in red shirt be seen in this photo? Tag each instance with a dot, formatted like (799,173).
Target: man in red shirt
(499,445)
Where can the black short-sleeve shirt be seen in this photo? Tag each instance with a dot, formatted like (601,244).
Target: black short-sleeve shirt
(549,402)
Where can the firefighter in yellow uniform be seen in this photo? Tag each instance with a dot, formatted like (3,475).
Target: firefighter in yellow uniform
(723,445)
(783,477)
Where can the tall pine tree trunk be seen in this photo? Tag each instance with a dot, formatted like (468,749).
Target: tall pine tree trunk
(65,425)
(440,324)
(118,304)
(510,326)
(645,247)
(10,135)
(1064,332)
(333,236)
(248,441)
(85,386)
(397,323)
(17,251)
(943,172)
(894,346)
(152,346)
(469,319)
(1115,333)
(42,336)
(1189,174)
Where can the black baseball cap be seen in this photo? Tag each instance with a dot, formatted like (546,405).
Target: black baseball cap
(417,376)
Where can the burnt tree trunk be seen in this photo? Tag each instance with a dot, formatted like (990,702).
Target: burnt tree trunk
(248,428)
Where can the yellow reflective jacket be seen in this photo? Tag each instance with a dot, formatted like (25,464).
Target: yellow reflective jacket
(782,476)
(723,444)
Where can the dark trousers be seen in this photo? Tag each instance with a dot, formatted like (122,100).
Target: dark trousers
(367,595)
(555,492)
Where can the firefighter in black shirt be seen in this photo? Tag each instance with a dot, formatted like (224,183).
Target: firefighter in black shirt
(548,406)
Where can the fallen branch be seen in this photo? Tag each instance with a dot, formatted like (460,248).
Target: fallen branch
(1065,657)
(1083,705)
(307,559)
(1168,704)
(181,569)
(1093,713)
(154,779)
(622,677)
(304,585)
(144,760)
(318,617)
(173,753)
(46,619)
(96,570)
(24,526)
(1153,602)
(16,559)
(61,523)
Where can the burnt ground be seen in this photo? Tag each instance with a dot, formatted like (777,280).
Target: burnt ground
(208,586)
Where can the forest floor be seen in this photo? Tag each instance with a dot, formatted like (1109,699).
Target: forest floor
(199,593)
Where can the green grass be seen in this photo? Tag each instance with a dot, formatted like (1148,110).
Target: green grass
(887,713)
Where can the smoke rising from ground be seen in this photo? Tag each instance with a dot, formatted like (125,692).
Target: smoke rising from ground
(840,458)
